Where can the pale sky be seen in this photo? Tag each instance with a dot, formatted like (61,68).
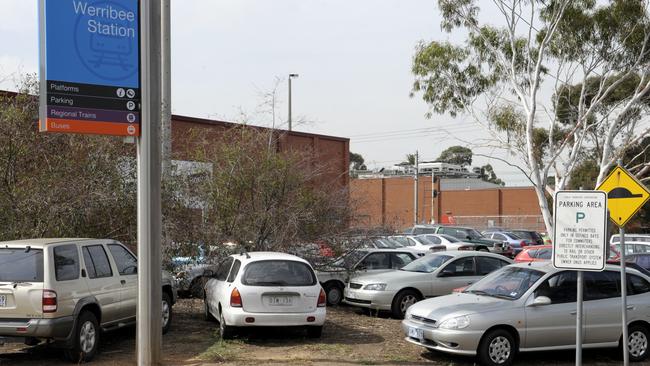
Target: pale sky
(353,57)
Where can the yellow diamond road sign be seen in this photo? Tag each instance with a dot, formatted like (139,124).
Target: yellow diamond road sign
(625,195)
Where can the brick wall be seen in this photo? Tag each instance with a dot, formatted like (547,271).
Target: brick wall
(390,201)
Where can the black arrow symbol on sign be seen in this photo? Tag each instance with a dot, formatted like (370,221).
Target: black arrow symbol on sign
(621,192)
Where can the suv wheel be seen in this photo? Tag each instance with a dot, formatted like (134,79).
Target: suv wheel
(225,331)
(196,288)
(166,313)
(86,338)
(497,348)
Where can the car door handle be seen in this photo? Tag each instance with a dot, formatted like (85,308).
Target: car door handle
(123,282)
(630,307)
(573,312)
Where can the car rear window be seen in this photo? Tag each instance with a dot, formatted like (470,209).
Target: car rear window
(21,265)
(278,273)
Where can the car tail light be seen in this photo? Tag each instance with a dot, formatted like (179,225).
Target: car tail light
(311,319)
(235,298)
(522,244)
(250,319)
(49,301)
(322,299)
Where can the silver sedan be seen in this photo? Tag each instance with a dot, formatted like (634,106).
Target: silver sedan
(531,307)
(432,275)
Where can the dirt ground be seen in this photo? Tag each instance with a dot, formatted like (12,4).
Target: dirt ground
(350,337)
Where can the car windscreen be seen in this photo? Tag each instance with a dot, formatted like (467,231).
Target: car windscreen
(278,273)
(424,230)
(350,259)
(508,283)
(21,265)
(514,236)
(402,240)
(427,263)
(450,238)
(524,234)
(473,234)
(424,240)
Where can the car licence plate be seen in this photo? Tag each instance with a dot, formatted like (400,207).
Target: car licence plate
(416,333)
(280,300)
(3,301)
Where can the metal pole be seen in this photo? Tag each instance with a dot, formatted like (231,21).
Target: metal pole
(579,318)
(433,190)
(166,131)
(149,319)
(417,188)
(289,120)
(626,355)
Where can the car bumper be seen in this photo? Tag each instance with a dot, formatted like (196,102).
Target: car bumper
(380,300)
(57,328)
(237,317)
(459,342)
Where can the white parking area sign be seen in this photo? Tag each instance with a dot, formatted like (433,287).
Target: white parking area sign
(580,230)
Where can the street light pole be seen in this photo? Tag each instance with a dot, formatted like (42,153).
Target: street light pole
(291,76)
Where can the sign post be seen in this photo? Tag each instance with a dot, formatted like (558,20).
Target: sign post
(625,196)
(100,73)
(579,241)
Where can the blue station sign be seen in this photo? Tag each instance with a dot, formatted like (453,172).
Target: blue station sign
(90,66)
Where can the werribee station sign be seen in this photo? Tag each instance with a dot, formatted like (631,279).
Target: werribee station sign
(90,66)
(579,240)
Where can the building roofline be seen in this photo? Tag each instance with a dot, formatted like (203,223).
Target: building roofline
(180,118)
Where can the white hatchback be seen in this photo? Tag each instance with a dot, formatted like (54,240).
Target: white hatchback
(266,289)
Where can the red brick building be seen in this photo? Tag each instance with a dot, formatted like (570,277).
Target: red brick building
(390,202)
(332,153)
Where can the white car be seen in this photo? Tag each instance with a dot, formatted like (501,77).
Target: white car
(416,244)
(265,289)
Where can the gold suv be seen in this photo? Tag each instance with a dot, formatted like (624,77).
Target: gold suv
(68,291)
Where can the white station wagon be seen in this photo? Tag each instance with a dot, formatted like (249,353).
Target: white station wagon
(265,289)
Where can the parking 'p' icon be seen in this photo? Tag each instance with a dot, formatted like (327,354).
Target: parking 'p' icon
(580,216)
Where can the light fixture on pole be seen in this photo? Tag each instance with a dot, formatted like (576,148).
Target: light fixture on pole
(291,76)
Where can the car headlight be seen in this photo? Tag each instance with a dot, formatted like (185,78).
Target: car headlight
(460,322)
(375,287)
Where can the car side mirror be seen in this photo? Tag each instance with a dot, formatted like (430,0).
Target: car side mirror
(541,300)
(208,273)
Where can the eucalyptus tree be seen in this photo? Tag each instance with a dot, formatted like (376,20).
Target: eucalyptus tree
(552,82)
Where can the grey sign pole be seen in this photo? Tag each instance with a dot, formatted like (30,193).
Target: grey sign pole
(626,354)
(579,317)
(149,319)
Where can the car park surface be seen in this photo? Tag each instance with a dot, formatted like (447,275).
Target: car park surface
(350,337)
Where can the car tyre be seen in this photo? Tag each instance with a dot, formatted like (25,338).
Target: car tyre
(314,332)
(225,330)
(497,348)
(85,339)
(166,313)
(334,293)
(402,301)
(637,344)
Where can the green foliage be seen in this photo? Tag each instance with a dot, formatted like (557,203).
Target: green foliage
(261,198)
(488,175)
(61,185)
(357,161)
(458,155)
